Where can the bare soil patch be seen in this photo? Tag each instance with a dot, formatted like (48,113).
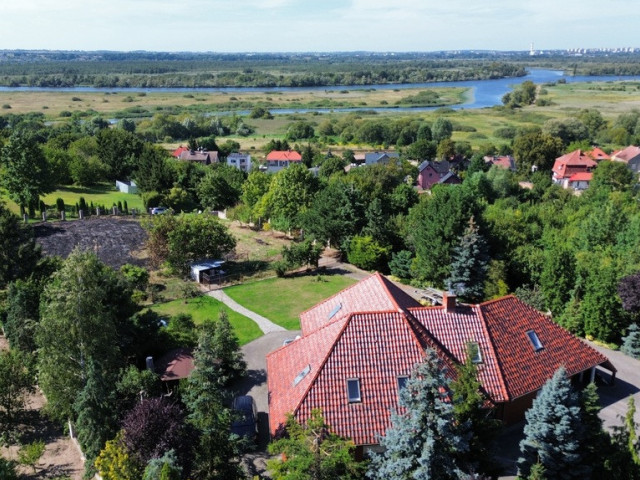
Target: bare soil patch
(115,240)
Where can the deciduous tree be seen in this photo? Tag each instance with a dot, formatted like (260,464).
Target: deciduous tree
(19,253)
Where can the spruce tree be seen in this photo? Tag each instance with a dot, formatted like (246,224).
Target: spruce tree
(469,266)
(228,349)
(205,401)
(631,343)
(553,432)
(424,438)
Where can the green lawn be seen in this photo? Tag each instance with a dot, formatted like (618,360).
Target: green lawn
(203,308)
(281,300)
(103,194)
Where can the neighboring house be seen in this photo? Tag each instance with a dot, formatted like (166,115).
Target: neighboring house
(630,156)
(127,187)
(279,159)
(204,157)
(570,164)
(173,366)
(241,161)
(430,173)
(373,158)
(598,154)
(580,181)
(506,162)
(359,346)
(359,158)
(176,153)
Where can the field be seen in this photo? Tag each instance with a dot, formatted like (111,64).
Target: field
(117,104)
(282,300)
(206,308)
(103,194)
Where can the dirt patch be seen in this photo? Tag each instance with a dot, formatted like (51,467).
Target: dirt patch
(116,241)
(61,456)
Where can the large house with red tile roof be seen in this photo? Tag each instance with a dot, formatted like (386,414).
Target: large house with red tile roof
(279,159)
(569,164)
(359,346)
(629,156)
(598,154)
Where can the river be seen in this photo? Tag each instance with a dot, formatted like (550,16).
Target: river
(483,93)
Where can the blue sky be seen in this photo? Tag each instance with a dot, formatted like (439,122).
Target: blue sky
(317,25)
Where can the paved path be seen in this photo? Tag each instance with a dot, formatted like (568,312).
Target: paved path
(266,325)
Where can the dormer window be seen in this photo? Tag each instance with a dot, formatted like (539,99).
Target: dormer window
(535,341)
(353,390)
(475,355)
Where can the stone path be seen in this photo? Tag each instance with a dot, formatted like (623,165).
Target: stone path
(266,325)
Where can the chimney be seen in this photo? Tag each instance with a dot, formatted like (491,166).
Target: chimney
(449,301)
(150,364)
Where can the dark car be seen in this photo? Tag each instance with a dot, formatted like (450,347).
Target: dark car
(245,417)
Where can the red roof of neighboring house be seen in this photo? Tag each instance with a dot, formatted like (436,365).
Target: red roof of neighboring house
(504,161)
(283,155)
(581,177)
(574,162)
(598,154)
(626,154)
(378,344)
(176,153)
(175,364)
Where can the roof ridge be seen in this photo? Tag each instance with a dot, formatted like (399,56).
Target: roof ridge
(383,281)
(334,295)
(485,327)
(414,324)
(495,300)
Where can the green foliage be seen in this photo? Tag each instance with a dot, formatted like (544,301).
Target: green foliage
(300,130)
(221,187)
(84,319)
(304,253)
(400,264)
(313,452)
(631,342)
(553,432)
(521,96)
(7,469)
(115,463)
(204,398)
(29,455)
(134,384)
(469,266)
(16,382)
(154,172)
(469,408)
(19,252)
(442,129)
(424,441)
(163,468)
(227,349)
(118,150)
(291,193)
(22,314)
(364,252)
(255,186)
(537,150)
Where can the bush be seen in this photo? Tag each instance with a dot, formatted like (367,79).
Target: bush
(280,267)
(505,132)
(364,252)
(152,199)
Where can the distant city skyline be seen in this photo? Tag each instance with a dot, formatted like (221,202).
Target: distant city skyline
(317,26)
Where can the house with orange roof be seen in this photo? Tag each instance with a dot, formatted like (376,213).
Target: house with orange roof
(359,346)
(598,154)
(279,159)
(629,156)
(506,162)
(570,164)
(580,181)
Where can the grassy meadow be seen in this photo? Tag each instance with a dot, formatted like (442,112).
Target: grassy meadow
(282,300)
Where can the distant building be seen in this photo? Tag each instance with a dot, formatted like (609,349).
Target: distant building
(373,158)
(127,187)
(629,156)
(506,162)
(201,156)
(279,159)
(241,161)
(431,173)
(570,164)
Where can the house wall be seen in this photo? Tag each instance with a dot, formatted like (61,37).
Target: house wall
(513,412)
(427,178)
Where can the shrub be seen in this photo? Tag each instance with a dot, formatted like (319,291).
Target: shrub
(6,106)
(364,252)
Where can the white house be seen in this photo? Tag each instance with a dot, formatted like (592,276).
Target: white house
(241,161)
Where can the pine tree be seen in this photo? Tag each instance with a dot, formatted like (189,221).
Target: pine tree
(424,439)
(469,408)
(205,401)
(596,440)
(553,432)
(469,266)
(631,343)
(228,349)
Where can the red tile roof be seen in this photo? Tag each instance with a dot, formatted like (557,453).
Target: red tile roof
(571,163)
(175,364)
(176,153)
(581,177)
(626,154)
(375,293)
(381,333)
(283,155)
(598,154)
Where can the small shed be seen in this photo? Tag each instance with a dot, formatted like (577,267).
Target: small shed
(127,187)
(175,365)
(201,271)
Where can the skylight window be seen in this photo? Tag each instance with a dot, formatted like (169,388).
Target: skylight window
(353,390)
(335,310)
(402,382)
(475,355)
(535,341)
(301,375)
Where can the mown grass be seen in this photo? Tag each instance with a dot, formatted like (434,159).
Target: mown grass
(102,194)
(282,300)
(206,308)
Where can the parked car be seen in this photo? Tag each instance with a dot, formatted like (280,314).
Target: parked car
(158,210)
(245,417)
